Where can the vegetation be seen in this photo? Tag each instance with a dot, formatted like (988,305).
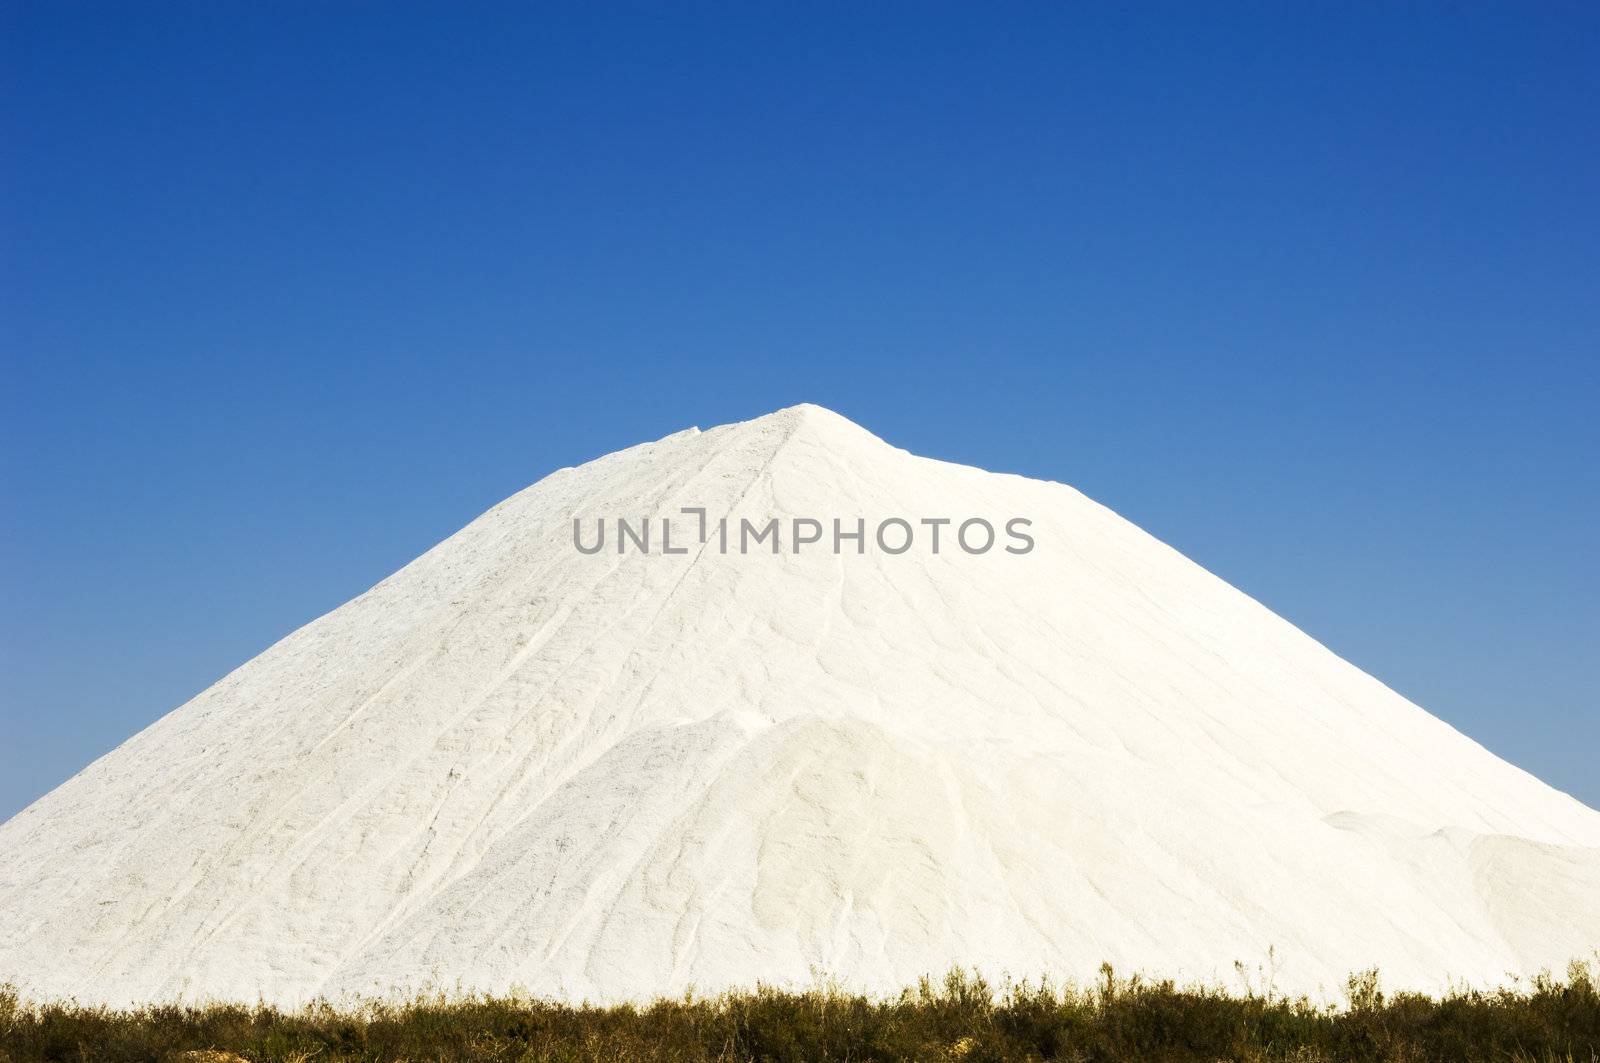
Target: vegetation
(962,1018)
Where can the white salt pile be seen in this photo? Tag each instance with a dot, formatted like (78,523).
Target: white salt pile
(514,764)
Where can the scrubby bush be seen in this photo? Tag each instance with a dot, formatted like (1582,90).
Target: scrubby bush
(1553,1020)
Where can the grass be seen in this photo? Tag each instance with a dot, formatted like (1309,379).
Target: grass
(1551,1020)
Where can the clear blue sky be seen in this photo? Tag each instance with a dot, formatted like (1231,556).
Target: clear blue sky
(289,292)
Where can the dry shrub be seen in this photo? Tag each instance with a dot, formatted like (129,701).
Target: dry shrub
(962,1017)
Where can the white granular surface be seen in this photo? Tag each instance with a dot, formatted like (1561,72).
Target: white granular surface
(513,766)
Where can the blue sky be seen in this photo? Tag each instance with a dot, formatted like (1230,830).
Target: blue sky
(290,292)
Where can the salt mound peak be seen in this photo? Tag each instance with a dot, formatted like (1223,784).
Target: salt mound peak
(518,765)
(817,423)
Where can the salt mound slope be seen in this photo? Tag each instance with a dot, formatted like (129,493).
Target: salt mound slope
(512,765)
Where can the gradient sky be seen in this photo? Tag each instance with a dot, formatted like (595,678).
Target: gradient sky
(288,293)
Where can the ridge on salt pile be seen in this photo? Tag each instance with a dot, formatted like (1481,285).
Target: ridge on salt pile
(512,765)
